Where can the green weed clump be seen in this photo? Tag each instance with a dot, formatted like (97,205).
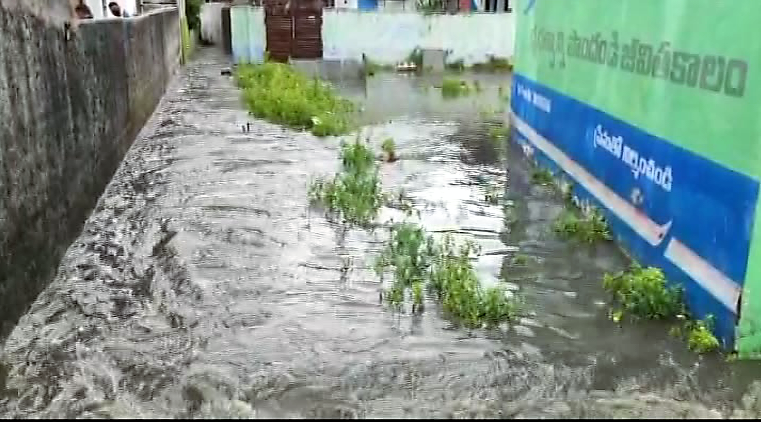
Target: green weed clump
(408,251)
(642,293)
(699,337)
(354,194)
(278,93)
(389,150)
(588,229)
(416,260)
(451,88)
(454,280)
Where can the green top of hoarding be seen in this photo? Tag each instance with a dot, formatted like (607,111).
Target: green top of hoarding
(653,64)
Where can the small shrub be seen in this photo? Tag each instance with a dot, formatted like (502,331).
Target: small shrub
(452,88)
(588,229)
(278,93)
(642,293)
(389,149)
(700,339)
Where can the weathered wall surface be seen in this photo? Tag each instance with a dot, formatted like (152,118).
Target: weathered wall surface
(388,37)
(211,22)
(71,104)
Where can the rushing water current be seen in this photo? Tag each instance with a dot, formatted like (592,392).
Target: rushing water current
(203,285)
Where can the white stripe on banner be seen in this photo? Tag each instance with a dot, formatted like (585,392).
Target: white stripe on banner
(711,279)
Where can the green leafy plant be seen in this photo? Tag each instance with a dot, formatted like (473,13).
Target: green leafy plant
(454,280)
(643,293)
(354,194)
(278,93)
(588,229)
(521,260)
(699,337)
(542,177)
(451,88)
(389,149)
(408,251)
(416,259)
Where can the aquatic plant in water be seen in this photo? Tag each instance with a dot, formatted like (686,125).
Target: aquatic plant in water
(451,88)
(699,337)
(389,150)
(278,93)
(643,293)
(417,260)
(588,228)
(354,194)
(454,280)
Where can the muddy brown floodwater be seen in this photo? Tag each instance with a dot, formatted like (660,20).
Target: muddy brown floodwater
(203,285)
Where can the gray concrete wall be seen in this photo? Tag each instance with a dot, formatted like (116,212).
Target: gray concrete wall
(71,103)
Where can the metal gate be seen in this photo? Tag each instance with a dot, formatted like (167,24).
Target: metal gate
(294,29)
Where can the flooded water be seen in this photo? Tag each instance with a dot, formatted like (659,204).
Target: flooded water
(203,285)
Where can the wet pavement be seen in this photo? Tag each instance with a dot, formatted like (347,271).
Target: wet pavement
(203,285)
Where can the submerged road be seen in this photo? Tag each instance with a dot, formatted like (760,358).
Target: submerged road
(203,285)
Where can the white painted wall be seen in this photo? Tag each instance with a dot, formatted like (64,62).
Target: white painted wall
(211,22)
(129,5)
(387,37)
(96,7)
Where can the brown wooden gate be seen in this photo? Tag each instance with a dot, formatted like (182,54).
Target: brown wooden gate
(294,29)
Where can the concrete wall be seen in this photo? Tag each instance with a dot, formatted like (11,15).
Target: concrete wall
(211,23)
(390,37)
(71,104)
